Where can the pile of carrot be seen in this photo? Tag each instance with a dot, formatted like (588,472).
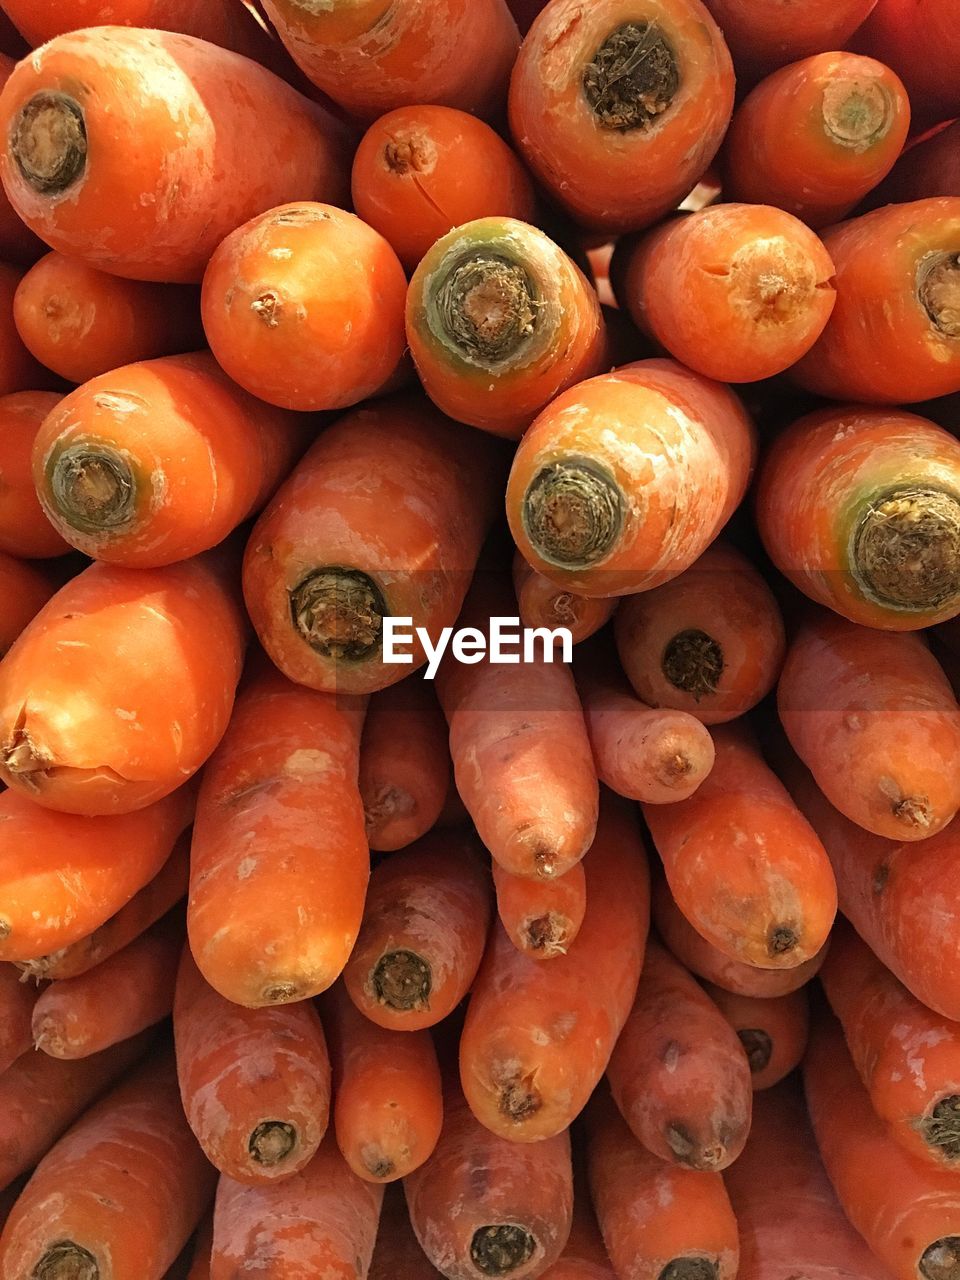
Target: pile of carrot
(340,339)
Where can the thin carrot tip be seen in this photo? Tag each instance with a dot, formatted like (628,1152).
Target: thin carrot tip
(913,811)
(501,1249)
(938,288)
(941,1128)
(93,488)
(690,1269)
(282,993)
(632,78)
(906,548)
(271,1142)
(781,939)
(693,662)
(485,306)
(66,1261)
(941,1261)
(548,934)
(758,1047)
(402,980)
(377,1164)
(857,113)
(573,512)
(49,142)
(519,1100)
(339,613)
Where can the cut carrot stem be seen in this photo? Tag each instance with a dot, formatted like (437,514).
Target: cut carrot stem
(255,1083)
(499,321)
(760,40)
(24,529)
(928,168)
(919,39)
(773,1031)
(16,1010)
(279,864)
(424,927)
(19,371)
(24,590)
(398,1255)
(536,1039)
(543,604)
(541,917)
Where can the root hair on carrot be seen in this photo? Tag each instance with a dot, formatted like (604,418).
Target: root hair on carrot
(49,142)
(632,78)
(501,1249)
(693,662)
(573,512)
(906,548)
(66,1261)
(339,613)
(402,980)
(93,487)
(941,1260)
(271,1142)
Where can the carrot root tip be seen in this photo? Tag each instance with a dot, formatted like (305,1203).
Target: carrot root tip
(499,1250)
(519,1099)
(402,980)
(906,549)
(282,993)
(339,613)
(409,150)
(938,288)
(268,307)
(484,306)
(22,758)
(857,113)
(693,662)
(547,935)
(690,1269)
(93,488)
(941,1261)
(758,1047)
(632,78)
(781,939)
(386,803)
(913,811)
(66,1261)
(376,1163)
(689,1152)
(49,142)
(271,1142)
(941,1128)
(573,512)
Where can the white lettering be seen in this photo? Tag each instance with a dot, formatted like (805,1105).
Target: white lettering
(549,640)
(501,637)
(434,652)
(393,635)
(469,646)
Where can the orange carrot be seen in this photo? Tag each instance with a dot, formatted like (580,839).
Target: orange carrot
(541,917)
(536,1039)
(929,167)
(499,320)
(620,107)
(17,241)
(761,37)
(543,604)
(219,137)
(585,1255)
(398,1255)
(279,864)
(815,137)
(202,1249)
(158,461)
(388,1105)
(119,1195)
(121,687)
(24,590)
(609,495)
(773,1031)
(423,933)
(18,369)
(321,571)
(255,1083)
(24,529)
(919,39)
(16,1009)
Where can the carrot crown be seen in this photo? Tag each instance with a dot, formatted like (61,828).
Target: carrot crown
(92,486)
(632,78)
(402,980)
(938,288)
(941,1259)
(905,547)
(573,512)
(66,1259)
(857,112)
(339,612)
(498,1250)
(49,142)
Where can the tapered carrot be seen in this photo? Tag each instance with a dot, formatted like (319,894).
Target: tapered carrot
(424,928)
(121,687)
(16,1009)
(536,1039)
(322,1221)
(279,863)
(930,167)
(255,1083)
(160,460)
(17,241)
(874,718)
(499,320)
(19,371)
(119,1195)
(388,1105)
(816,136)
(659,1220)
(321,573)
(893,334)
(608,493)
(585,1255)
(483,1206)
(24,590)
(773,1031)
(858,508)
(761,40)
(541,917)
(618,109)
(62,875)
(24,529)
(919,39)
(221,140)
(543,604)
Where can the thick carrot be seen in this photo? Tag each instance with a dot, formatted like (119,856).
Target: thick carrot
(62,875)
(424,928)
(482,1206)
(860,509)
(907,1211)
(398,1255)
(322,1221)
(119,1195)
(24,590)
(221,139)
(81,322)
(499,321)
(19,371)
(919,39)
(157,461)
(738,292)
(620,107)
(122,686)
(536,1039)
(710,643)
(659,1220)
(322,570)
(763,37)
(388,1105)
(773,1031)
(16,1010)
(371,56)
(930,167)
(873,716)
(816,136)
(541,917)
(679,1075)
(609,494)
(893,335)
(585,1255)
(24,529)
(279,863)
(255,1083)
(543,604)
(17,241)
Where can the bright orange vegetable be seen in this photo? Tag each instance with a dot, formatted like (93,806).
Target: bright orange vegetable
(762,36)
(919,39)
(541,917)
(398,1255)
(24,590)
(772,1030)
(930,167)
(16,1009)
(24,529)
(543,604)
(18,369)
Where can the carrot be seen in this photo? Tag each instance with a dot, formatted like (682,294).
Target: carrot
(859,509)
(761,37)
(757,289)
(482,1206)
(744,866)
(817,136)
(710,643)
(525,11)
(679,1075)
(24,590)
(24,529)
(81,322)
(279,863)
(536,1039)
(906,1210)
(19,371)
(658,1219)
(404,765)
(930,167)
(919,40)
(499,320)
(119,1195)
(585,1255)
(202,1249)
(17,241)
(121,687)
(398,1255)
(893,334)
(388,1106)
(157,461)
(255,1083)
(371,57)
(322,1221)
(620,107)
(608,493)
(874,718)
(16,1010)
(219,136)
(423,933)
(773,1031)
(543,604)
(541,917)
(410,181)
(321,572)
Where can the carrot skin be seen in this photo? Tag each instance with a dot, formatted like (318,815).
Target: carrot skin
(24,590)
(25,530)
(16,1011)
(773,1031)
(19,371)
(584,1256)
(543,604)
(930,167)
(919,41)
(398,1255)
(541,917)
(761,41)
